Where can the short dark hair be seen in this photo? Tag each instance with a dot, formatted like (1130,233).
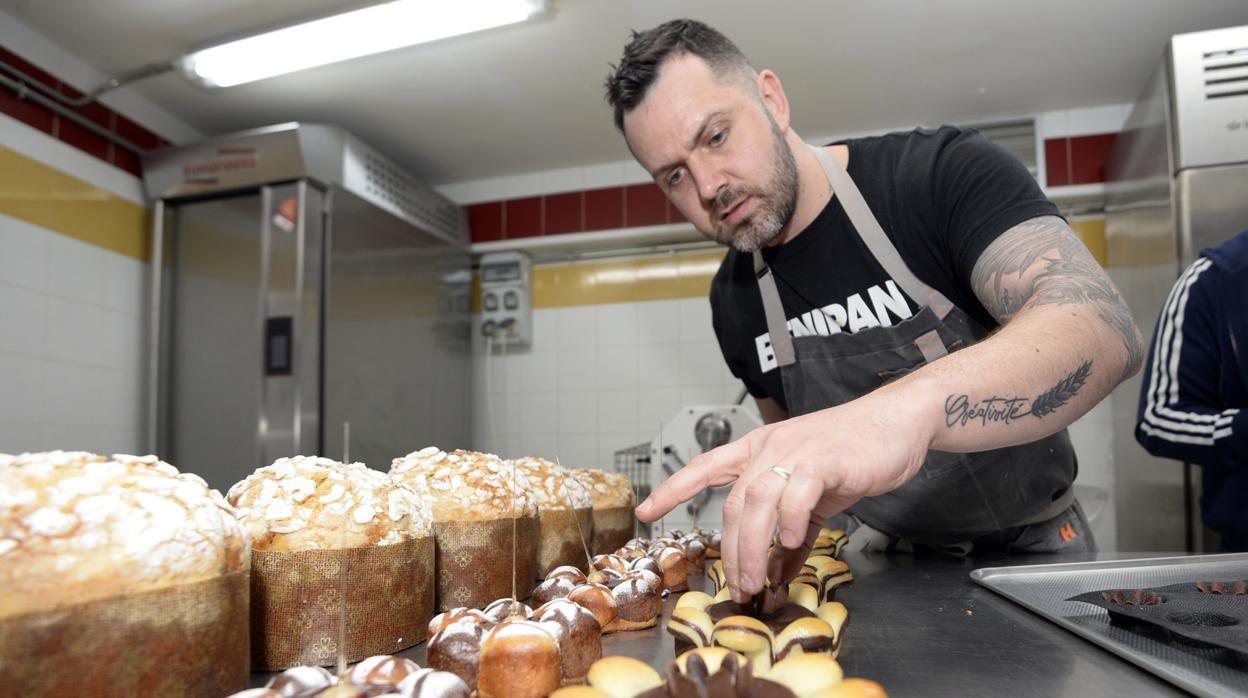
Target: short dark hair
(628,82)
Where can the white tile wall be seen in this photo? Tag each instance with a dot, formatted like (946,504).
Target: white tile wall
(604,382)
(71,325)
(71,331)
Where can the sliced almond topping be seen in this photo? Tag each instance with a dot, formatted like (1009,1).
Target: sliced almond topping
(363,514)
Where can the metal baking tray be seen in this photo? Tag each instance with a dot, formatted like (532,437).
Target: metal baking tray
(1044,588)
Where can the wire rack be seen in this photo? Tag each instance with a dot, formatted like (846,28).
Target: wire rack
(634,463)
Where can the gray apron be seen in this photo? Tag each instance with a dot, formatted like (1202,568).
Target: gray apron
(956,497)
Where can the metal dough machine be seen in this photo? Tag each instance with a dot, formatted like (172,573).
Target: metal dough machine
(692,431)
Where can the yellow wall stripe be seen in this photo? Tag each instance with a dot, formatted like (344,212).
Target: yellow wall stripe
(1092,232)
(630,280)
(49,198)
(655,278)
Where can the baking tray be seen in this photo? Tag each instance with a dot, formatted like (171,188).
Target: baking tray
(1045,588)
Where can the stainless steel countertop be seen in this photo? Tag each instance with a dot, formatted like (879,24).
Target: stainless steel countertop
(920,627)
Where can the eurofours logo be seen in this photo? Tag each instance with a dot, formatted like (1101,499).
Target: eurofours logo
(228,159)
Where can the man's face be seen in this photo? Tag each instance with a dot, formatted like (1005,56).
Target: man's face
(712,145)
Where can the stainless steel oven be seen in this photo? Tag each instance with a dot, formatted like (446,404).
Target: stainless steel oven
(302,281)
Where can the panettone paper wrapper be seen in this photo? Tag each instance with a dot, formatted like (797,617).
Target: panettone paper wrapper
(559,542)
(297,597)
(182,640)
(613,527)
(474,561)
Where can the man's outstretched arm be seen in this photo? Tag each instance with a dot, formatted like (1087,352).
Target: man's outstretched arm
(1067,339)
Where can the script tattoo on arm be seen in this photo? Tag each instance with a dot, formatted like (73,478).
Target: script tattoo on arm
(960,411)
(1042,262)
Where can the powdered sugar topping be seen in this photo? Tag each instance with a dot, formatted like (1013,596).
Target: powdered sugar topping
(553,487)
(59,509)
(465,483)
(321,503)
(608,490)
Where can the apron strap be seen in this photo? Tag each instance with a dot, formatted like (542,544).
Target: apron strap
(777,327)
(876,240)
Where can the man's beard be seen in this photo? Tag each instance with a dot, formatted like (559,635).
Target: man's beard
(775,203)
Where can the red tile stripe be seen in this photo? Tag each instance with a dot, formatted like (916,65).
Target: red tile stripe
(610,208)
(1068,160)
(1077,159)
(37,116)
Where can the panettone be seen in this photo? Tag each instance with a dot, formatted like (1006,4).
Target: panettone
(465,485)
(613,500)
(123,569)
(327,534)
(478,503)
(76,526)
(565,514)
(310,503)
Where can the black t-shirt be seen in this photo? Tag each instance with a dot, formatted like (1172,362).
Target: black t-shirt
(941,197)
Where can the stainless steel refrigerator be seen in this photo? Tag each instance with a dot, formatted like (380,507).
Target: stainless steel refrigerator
(1177,183)
(300,281)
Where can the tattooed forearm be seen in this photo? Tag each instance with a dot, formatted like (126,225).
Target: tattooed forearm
(960,411)
(1042,262)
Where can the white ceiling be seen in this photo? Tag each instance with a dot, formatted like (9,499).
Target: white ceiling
(529,98)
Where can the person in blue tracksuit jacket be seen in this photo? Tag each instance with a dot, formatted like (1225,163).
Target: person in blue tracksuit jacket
(1194,399)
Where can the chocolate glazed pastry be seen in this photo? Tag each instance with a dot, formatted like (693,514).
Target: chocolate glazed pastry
(691,627)
(580,643)
(775,621)
(707,672)
(502,609)
(599,600)
(675,566)
(445,618)
(638,602)
(558,584)
(716,672)
(732,677)
(792,628)
(382,673)
(519,659)
(695,551)
(457,649)
(430,683)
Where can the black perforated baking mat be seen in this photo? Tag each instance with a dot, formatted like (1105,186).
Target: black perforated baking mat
(1046,590)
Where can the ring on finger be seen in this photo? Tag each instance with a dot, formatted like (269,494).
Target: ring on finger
(782,472)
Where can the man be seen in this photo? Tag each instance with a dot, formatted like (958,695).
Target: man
(1196,385)
(883,402)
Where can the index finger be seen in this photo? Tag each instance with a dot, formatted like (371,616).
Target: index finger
(716,467)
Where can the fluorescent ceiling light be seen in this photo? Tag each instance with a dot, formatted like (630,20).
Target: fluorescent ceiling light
(349,35)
